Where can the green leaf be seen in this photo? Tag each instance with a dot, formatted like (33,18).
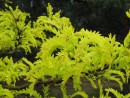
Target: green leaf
(128,13)
(127,40)
(92,82)
(112,78)
(5,93)
(81,93)
(115,92)
(49,10)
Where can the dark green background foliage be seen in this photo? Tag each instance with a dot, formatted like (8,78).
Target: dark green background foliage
(102,15)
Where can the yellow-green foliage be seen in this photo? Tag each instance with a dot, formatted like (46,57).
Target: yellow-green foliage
(5,93)
(116,94)
(10,71)
(15,32)
(127,39)
(68,54)
(128,13)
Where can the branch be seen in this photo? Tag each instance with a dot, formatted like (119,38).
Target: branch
(25,85)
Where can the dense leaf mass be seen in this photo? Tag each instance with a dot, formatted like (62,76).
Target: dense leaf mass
(65,55)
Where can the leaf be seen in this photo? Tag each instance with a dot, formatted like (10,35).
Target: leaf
(101,94)
(128,13)
(46,91)
(92,82)
(127,40)
(28,63)
(63,89)
(121,74)
(115,92)
(127,95)
(77,83)
(5,93)
(49,10)
(31,93)
(83,94)
(117,80)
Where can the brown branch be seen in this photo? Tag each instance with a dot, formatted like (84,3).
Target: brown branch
(25,85)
